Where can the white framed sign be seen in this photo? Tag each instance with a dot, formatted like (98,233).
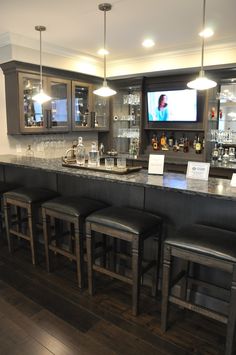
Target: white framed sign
(233,180)
(197,170)
(156,164)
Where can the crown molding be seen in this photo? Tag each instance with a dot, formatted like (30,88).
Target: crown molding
(23,41)
(179,59)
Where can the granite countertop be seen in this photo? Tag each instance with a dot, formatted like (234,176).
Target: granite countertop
(214,187)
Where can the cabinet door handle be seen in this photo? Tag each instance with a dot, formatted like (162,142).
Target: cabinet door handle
(46,112)
(49,118)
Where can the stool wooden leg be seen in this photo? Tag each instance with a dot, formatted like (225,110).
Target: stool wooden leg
(112,254)
(165,287)
(1,214)
(78,231)
(156,269)
(136,271)
(32,231)
(89,247)
(47,237)
(104,247)
(7,212)
(232,316)
(19,219)
(184,281)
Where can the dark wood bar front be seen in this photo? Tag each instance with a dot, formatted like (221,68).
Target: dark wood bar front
(179,201)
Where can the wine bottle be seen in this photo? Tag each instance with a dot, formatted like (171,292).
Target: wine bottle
(198,147)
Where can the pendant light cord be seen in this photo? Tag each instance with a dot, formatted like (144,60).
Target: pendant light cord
(104,46)
(40,60)
(203,27)
(40,29)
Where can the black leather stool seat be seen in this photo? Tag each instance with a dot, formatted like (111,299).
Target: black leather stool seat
(24,222)
(6,186)
(129,227)
(66,214)
(126,219)
(73,205)
(208,240)
(206,246)
(31,195)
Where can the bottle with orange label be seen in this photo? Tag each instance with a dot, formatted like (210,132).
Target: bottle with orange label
(154,142)
(163,140)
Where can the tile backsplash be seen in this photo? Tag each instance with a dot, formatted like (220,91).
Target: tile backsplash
(50,145)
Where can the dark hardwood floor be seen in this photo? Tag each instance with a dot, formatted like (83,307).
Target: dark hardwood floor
(43,313)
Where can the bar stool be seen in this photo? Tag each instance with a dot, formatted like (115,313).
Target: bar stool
(4,187)
(134,227)
(208,246)
(27,202)
(70,210)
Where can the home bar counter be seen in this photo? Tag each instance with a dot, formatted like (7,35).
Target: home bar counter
(179,201)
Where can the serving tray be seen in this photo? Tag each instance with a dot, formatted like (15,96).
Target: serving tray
(101,168)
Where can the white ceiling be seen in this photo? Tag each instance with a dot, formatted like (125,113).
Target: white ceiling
(77,25)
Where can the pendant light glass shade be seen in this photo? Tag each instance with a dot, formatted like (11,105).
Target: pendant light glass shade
(41,97)
(202,82)
(104,90)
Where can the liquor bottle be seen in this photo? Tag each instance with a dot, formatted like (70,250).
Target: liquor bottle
(215,153)
(101,149)
(80,152)
(171,140)
(225,157)
(154,142)
(231,154)
(198,146)
(220,153)
(176,146)
(194,142)
(163,140)
(186,145)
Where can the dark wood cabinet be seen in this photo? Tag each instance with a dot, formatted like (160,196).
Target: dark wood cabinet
(73,106)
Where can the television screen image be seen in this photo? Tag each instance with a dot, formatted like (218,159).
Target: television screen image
(172,106)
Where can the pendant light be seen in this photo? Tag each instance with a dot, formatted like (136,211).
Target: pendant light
(202,82)
(104,90)
(41,97)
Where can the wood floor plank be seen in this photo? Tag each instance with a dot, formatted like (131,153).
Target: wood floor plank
(70,335)
(33,331)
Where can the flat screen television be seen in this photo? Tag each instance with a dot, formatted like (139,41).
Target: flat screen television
(172,106)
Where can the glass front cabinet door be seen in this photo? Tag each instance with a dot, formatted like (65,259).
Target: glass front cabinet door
(102,114)
(127,120)
(89,112)
(52,116)
(81,105)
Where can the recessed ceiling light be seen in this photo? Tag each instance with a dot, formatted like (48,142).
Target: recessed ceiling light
(207,32)
(103,51)
(148,43)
